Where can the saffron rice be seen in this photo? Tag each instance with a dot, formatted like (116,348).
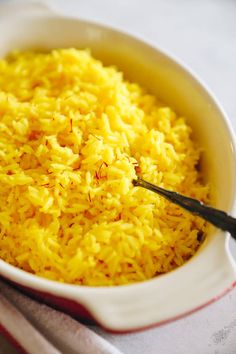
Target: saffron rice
(71,133)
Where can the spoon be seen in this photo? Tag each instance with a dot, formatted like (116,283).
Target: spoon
(216,217)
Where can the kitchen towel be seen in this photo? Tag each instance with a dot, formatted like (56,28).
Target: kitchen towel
(41,329)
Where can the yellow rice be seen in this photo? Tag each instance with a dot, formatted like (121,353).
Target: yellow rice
(71,133)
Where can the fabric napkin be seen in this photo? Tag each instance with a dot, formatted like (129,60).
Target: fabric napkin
(40,329)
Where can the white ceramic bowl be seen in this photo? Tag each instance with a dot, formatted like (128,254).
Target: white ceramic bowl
(211,272)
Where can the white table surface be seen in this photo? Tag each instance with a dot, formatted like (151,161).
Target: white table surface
(202,33)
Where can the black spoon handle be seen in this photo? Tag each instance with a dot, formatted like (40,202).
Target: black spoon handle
(216,217)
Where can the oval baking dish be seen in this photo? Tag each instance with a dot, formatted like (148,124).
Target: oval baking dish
(211,272)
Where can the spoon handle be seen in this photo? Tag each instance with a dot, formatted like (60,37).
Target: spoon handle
(216,217)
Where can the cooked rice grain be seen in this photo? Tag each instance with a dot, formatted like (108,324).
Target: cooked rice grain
(71,133)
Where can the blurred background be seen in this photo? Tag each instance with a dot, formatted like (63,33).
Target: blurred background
(202,34)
